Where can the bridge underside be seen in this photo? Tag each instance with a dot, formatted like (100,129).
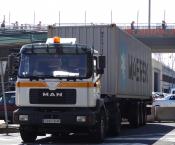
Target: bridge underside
(159,44)
(160,41)
(15,40)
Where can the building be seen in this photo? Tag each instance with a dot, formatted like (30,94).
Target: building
(163,77)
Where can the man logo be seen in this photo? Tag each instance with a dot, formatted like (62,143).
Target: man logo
(52,94)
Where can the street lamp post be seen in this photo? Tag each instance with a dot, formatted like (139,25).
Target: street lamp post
(149,14)
(3,94)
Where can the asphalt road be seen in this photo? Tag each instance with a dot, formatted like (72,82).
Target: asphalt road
(152,133)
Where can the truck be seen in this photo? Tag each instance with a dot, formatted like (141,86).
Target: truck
(86,80)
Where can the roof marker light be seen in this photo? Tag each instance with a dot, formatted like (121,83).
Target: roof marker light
(56,40)
(61,40)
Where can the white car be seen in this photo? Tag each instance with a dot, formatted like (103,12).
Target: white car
(167,101)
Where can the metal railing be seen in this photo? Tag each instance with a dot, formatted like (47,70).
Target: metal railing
(145,26)
(139,28)
(23,28)
(154,30)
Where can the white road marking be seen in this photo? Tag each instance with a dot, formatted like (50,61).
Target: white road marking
(169,137)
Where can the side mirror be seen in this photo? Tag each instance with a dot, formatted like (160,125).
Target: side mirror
(101,64)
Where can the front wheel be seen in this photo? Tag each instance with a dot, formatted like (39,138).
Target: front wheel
(99,131)
(28,135)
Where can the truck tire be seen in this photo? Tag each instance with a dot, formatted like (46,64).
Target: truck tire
(141,114)
(115,122)
(144,114)
(99,131)
(134,115)
(60,135)
(28,135)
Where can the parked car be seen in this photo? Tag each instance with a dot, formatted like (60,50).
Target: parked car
(167,101)
(10,102)
(172,91)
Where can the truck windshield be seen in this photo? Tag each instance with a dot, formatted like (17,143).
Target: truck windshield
(52,66)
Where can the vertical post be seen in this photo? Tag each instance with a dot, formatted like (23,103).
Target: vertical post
(4,17)
(137,19)
(111,16)
(3,94)
(9,19)
(34,18)
(59,18)
(164,15)
(172,61)
(149,14)
(85,18)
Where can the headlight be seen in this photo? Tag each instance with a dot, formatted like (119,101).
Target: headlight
(81,118)
(23,118)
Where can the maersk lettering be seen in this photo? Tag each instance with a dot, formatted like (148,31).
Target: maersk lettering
(138,69)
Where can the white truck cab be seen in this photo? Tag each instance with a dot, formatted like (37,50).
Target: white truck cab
(58,88)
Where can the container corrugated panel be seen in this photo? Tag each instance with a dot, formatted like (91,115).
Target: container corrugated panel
(128,61)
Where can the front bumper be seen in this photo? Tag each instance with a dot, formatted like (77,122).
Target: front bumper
(68,119)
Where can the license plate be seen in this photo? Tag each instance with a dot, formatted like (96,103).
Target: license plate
(51,121)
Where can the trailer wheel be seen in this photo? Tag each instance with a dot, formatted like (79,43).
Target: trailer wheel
(134,115)
(144,114)
(60,135)
(28,135)
(141,114)
(115,122)
(99,131)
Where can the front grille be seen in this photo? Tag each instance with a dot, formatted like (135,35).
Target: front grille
(46,96)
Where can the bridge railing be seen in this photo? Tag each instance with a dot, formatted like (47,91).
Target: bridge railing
(23,28)
(153,29)
(139,28)
(145,26)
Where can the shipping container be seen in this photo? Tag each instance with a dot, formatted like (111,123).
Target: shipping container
(128,61)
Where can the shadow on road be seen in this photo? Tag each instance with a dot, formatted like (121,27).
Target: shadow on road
(148,134)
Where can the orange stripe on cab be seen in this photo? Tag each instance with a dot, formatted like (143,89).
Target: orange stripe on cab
(31,84)
(76,84)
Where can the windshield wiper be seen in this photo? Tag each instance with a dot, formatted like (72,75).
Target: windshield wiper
(35,78)
(71,78)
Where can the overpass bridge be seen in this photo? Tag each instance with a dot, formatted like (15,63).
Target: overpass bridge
(160,40)
(14,37)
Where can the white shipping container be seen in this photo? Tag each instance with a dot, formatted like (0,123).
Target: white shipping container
(128,61)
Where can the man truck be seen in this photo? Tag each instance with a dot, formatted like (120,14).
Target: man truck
(85,86)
